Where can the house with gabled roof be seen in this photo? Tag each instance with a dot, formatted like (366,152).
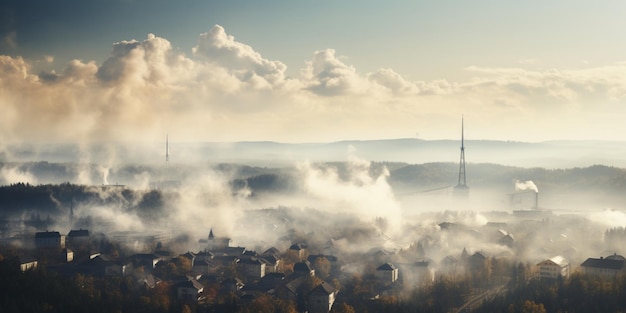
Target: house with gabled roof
(507,240)
(386,274)
(553,268)
(49,239)
(272,263)
(298,251)
(477,261)
(251,268)
(303,269)
(603,267)
(78,238)
(449,265)
(147,260)
(271,251)
(189,290)
(321,298)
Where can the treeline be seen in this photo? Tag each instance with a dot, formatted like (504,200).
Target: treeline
(579,293)
(54,200)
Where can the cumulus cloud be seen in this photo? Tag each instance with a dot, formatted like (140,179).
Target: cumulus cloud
(242,60)
(326,75)
(226,90)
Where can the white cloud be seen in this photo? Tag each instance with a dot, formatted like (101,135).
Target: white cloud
(240,59)
(227,91)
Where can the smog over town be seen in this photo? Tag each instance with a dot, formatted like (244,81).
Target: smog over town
(312,157)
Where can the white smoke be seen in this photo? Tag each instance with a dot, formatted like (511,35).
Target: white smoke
(359,194)
(12,175)
(526,185)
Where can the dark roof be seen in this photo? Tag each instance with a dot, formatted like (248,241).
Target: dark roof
(47,234)
(297,246)
(386,267)
(211,234)
(271,251)
(26,259)
(270,259)
(302,267)
(192,283)
(251,261)
(78,233)
(604,263)
(324,288)
(615,256)
(479,254)
(449,260)
(422,263)
(250,253)
(189,255)
(231,251)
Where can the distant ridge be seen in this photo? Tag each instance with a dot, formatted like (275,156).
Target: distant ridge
(549,154)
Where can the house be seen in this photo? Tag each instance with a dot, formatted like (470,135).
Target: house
(148,281)
(603,267)
(147,260)
(78,238)
(507,240)
(449,265)
(297,251)
(423,271)
(102,265)
(252,268)
(272,280)
(272,263)
(189,290)
(553,268)
(271,251)
(303,269)
(386,274)
(477,261)
(321,298)
(201,265)
(27,263)
(49,239)
(67,255)
(189,256)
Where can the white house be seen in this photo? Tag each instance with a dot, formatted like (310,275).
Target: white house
(553,268)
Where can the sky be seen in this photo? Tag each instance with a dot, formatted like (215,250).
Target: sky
(311,71)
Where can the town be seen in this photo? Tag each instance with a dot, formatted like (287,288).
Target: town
(294,260)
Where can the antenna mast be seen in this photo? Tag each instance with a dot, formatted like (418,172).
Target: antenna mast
(461,189)
(462,181)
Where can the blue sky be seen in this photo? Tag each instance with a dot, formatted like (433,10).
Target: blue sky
(312,70)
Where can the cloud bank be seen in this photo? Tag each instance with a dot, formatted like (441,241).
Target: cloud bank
(225,90)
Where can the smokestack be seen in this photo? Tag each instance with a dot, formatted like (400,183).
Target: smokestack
(167,149)
(536,200)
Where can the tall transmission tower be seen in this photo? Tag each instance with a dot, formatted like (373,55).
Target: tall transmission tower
(461,189)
